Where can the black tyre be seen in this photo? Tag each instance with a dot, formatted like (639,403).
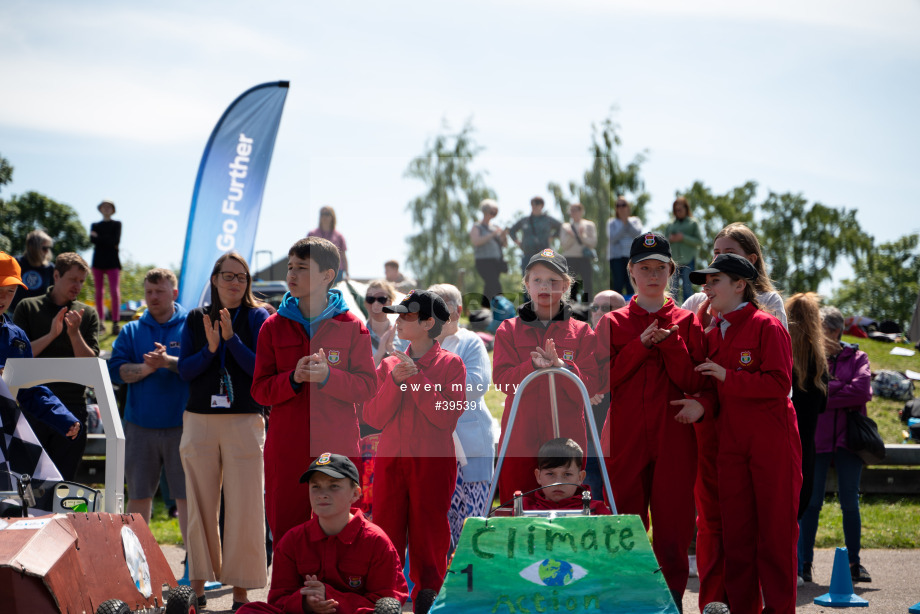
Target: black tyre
(424,600)
(716,607)
(387,605)
(182,600)
(113,606)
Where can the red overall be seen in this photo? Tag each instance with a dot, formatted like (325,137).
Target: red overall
(533,426)
(652,457)
(415,470)
(359,565)
(759,462)
(323,415)
(538,501)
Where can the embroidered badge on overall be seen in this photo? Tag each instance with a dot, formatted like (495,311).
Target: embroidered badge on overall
(354,581)
(568,354)
(333,357)
(746,358)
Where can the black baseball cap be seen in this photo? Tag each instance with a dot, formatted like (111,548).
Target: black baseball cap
(650,246)
(426,304)
(726,263)
(550,258)
(333,465)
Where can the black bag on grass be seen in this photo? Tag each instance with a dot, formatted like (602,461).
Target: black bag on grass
(911,410)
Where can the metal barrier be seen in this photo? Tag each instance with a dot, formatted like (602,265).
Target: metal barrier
(551,372)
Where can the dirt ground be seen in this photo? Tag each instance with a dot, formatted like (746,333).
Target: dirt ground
(894,587)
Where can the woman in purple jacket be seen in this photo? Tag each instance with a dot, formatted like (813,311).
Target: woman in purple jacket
(849,390)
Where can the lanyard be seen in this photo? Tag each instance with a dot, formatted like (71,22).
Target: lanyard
(226,384)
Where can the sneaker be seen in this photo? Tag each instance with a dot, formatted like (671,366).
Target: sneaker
(800,582)
(114,328)
(424,600)
(859,573)
(694,573)
(808,571)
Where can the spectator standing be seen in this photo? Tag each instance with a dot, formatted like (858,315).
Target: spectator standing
(36,267)
(849,389)
(223,434)
(379,294)
(685,238)
(37,401)
(415,471)
(809,386)
(621,230)
(537,230)
(577,240)
(326,230)
(604,302)
(474,429)
(401,282)
(488,239)
(544,334)
(313,365)
(106,235)
(145,356)
(60,326)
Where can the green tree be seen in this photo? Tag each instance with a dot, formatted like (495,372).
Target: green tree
(6,175)
(803,243)
(22,214)
(886,283)
(713,212)
(444,213)
(600,186)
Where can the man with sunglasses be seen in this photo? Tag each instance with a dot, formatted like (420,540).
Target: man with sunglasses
(604,302)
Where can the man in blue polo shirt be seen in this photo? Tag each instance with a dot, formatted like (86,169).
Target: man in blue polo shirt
(145,357)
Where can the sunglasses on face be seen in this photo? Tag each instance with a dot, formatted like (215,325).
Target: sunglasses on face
(228,277)
(604,308)
(409,317)
(380,299)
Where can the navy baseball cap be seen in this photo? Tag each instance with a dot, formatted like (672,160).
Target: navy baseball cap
(650,246)
(426,304)
(333,465)
(550,258)
(726,263)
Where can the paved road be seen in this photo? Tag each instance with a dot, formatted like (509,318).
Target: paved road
(895,583)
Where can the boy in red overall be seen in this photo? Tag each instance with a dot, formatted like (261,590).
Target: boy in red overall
(419,399)
(561,462)
(337,561)
(313,364)
(759,459)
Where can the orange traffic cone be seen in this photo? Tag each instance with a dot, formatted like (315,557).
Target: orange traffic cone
(841,592)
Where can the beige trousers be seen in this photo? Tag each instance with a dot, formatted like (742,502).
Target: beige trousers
(225,451)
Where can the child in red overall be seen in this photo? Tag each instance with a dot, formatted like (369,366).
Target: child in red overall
(337,561)
(420,397)
(759,460)
(560,471)
(648,350)
(313,364)
(543,335)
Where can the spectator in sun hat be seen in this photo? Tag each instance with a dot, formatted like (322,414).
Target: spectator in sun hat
(106,235)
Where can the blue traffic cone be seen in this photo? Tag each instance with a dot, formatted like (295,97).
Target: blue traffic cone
(841,592)
(914,609)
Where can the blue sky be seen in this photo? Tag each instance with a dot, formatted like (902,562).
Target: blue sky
(114,100)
